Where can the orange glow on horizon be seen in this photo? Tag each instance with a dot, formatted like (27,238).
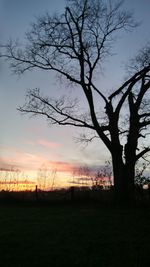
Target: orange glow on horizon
(27,181)
(46,180)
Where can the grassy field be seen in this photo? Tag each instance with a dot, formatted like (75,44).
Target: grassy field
(74,235)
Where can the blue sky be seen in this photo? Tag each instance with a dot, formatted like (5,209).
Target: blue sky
(28,143)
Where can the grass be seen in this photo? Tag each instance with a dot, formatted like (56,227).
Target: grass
(74,235)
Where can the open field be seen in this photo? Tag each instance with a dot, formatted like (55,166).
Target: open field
(74,235)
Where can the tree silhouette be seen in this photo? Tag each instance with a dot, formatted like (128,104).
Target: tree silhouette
(74,46)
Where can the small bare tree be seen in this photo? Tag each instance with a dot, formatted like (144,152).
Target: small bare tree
(74,45)
(81,175)
(140,177)
(46,178)
(103,177)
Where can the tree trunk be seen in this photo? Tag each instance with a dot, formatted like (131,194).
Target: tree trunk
(123,180)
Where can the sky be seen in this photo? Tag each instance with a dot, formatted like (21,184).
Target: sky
(28,144)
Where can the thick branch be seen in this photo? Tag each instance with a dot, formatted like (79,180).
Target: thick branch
(147,114)
(97,127)
(142,153)
(99,92)
(144,123)
(133,78)
(131,83)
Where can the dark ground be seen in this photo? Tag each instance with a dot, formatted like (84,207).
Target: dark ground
(74,234)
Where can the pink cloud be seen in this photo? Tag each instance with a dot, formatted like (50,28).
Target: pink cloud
(43,142)
(4,166)
(47,144)
(60,166)
(17,159)
(14,158)
(27,161)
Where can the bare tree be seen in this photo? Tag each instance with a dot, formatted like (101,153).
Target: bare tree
(82,175)
(140,176)
(46,178)
(102,178)
(74,45)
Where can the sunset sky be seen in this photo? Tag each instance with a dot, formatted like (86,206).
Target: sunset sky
(28,144)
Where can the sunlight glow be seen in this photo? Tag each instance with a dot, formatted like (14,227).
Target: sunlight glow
(44,179)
